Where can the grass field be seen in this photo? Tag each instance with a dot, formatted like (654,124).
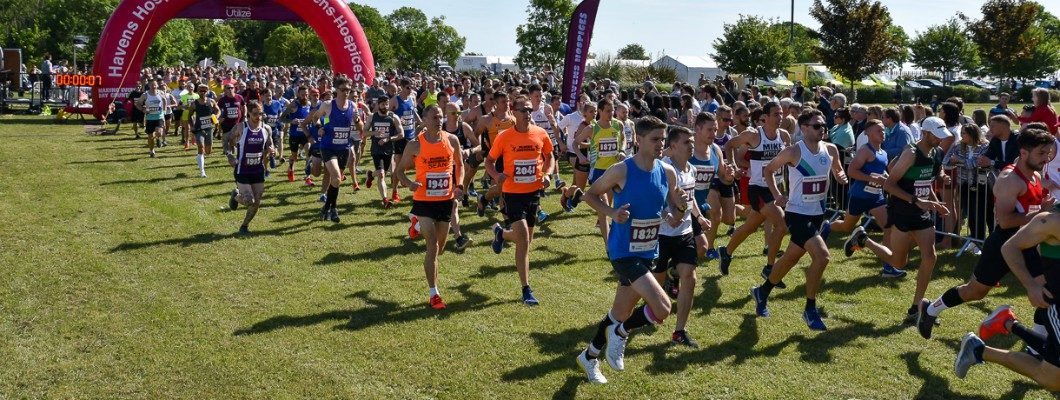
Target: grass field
(122,277)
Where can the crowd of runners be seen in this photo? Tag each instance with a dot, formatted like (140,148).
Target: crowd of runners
(663,171)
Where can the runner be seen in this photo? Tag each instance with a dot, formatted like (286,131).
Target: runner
(233,110)
(469,145)
(606,148)
(204,112)
(341,122)
(152,104)
(868,170)
(808,163)
(295,113)
(353,164)
(1018,197)
(644,186)
(403,105)
(253,143)
(1043,232)
(386,128)
(489,127)
(909,209)
(677,243)
(170,105)
(188,97)
(527,153)
(577,152)
(273,107)
(763,145)
(717,204)
(315,165)
(545,118)
(436,156)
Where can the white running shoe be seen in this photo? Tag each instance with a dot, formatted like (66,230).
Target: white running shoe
(592,368)
(615,351)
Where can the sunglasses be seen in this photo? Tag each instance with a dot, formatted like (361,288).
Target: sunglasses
(815,126)
(727,119)
(524,110)
(345,89)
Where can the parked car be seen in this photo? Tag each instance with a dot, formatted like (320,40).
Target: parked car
(883,80)
(914,85)
(1044,83)
(976,83)
(930,83)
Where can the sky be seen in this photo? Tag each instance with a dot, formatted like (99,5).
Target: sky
(673,27)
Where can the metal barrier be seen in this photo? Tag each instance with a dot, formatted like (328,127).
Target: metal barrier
(24,92)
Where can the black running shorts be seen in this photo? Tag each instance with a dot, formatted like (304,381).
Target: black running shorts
(675,250)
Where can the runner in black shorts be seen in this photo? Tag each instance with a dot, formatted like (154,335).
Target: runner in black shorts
(385,128)
(1043,231)
(247,150)
(1019,196)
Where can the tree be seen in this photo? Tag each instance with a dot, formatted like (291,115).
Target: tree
(173,43)
(803,43)
(290,45)
(250,35)
(543,38)
(377,31)
(419,43)
(901,44)
(750,48)
(1012,39)
(855,39)
(633,51)
(215,40)
(946,49)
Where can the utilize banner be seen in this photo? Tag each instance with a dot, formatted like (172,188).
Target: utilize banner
(578,36)
(134,24)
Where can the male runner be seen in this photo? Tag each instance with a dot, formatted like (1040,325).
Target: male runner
(204,112)
(437,160)
(253,143)
(708,161)
(489,127)
(643,187)
(606,148)
(152,103)
(386,129)
(808,163)
(469,145)
(545,118)
(527,154)
(404,106)
(335,142)
(188,97)
(233,110)
(1019,196)
(295,113)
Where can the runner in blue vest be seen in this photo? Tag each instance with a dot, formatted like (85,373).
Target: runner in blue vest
(404,106)
(645,194)
(296,111)
(336,141)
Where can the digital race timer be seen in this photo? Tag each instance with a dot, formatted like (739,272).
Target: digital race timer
(78,80)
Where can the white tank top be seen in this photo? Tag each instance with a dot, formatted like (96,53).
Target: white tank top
(541,119)
(808,181)
(686,181)
(1052,172)
(766,151)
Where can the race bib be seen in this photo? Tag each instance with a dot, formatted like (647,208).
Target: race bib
(271,119)
(644,234)
(438,184)
(922,189)
(407,121)
(1033,208)
(525,171)
(873,189)
(252,158)
(608,147)
(231,112)
(153,109)
(814,188)
(340,135)
(206,122)
(704,174)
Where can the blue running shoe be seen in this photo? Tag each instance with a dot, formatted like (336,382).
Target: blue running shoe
(498,239)
(528,297)
(542,216)
(892,272)
(732,230)
(760,303)
(813,319)
(826,230)
(712,254)
(323,198)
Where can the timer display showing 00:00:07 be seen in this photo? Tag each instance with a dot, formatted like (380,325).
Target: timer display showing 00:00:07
(78,80)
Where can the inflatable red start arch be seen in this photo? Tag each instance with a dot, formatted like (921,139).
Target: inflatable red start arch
(134,24)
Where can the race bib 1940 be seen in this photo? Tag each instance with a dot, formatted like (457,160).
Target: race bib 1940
(438,184)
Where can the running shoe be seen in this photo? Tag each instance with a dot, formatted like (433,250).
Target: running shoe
(498,239)
(855,242)
(465,201)
(994,323)
(564,203)
(202,174)
(244,230)
(681,338)
(924,321)
(356,186)
(542,216)
(368,180)
(712,254)
(394,197)
(892,272)
(290,175)
(812,317)
(576,199)
(414,231)
(765,251)
(387,204)
(761,303)
(528,297)
(232,203)
(334,215)
(560,184)
(323,198)
(324,214)
(768,269)
(966,356)
(732,230)
(186,147)
(911,316)
(272,162)
(724,260)
(472,192)
(309,181)
(437,303)
(481,209)
(615,351)
(826,230)
(592,368)
(462,242)
(152,153)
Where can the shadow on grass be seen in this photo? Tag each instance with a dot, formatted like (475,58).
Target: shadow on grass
(204,238)
(179,175)
(563,346)
(555,257)
(377,312)
(938,387)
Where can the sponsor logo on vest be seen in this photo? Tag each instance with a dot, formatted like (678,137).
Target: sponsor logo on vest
(237,12)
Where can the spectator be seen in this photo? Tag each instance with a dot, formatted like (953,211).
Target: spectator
(858,115)
(46,71)
(1002,107)
(841,133)
(979,118)
(1043,111)
(973,199)
(896,134)
(1003,147)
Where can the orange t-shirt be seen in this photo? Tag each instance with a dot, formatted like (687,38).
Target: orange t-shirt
(522,152)
(434,169)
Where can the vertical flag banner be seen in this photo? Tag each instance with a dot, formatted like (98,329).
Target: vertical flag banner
(578,36)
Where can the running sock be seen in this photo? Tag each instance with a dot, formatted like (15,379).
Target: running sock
(950,299)
(333,194)
(766,288)
(307,169)
(201,160)
(600,337)
(641,317)
(811,304)
(1028,336)
(433,291)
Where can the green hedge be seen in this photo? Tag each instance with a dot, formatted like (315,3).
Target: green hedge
(1024,95)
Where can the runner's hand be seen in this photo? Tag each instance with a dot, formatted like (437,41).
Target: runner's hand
(458,193)
(1039,295)
(414,186)
(621,214)
(781,201)
(545,180)
(704,223)
(1048,202)
(942,210)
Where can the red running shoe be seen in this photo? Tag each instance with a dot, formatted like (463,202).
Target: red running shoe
(368,180)
(290,175)
(309,181)
(387,204)
(414,232)
(395,198)
(995,322)
(437,303)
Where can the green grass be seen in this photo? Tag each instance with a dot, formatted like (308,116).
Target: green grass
(122,278)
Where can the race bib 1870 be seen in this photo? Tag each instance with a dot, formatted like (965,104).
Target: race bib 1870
(525,171)
(608,147)
(644,234)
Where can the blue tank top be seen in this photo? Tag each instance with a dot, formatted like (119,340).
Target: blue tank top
(338,127)
(272,113)
(706,170)
(406,112)
(864,190)
(251,149)
(300,113)
(645,192)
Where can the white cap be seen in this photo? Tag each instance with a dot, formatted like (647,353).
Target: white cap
(935,126)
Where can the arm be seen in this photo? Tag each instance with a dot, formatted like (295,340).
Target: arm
(407,159)
(398,132)
(583,135)
(987,158)
(859,160)
(1028,237)
(900,166)
(496,151)
(787,156)
(229,144)
(472,140)
(837,166)
(458,166)
(313,116)
(612,179)
(1005,205)
(743,139)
